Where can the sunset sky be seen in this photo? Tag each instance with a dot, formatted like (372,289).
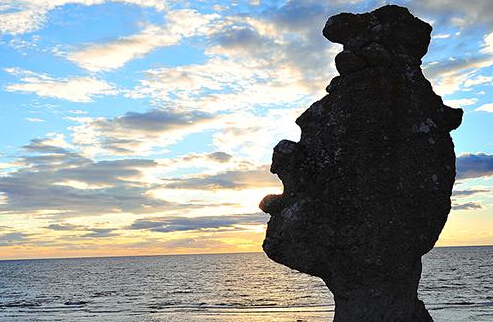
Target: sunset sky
(135,127)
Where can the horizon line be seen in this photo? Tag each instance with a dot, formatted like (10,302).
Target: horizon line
(178,254)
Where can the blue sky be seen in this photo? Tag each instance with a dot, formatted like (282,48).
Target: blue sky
(147,127)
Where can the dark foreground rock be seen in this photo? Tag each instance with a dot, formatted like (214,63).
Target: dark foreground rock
(367,188)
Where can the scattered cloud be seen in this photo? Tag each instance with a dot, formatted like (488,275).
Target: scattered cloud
(74,89)
(441,36)
(460,103)
(253,136)
(219,156)
(474,165)
(112,55)
(65,227)
(77,112)
(100,233)
(9,239)
(455,12)
(54,181)
(224,85)
(57,182)
(87,232)
(488,44)
(137,133)
(479,80)
(206,162)
(276,58)
(34,119)
(451,75)
(233,179)
(469,192)
(3,201)
(485,108)
(172,224)
(195,243)
(24,16)
(298,53)
(20,22)
(53,143)
(467,206)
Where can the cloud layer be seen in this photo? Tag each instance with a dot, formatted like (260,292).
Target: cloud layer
(125,146)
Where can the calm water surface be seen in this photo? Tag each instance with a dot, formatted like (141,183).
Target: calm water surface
(457,285)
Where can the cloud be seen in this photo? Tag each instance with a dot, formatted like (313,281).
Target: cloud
(467,206)
(455,65)
(460,103)
(451,75)
(456,12)
(458,72)
(440,36)
(34,119)
(275,62)
(485,108)
(3,201)
(233,179)
(253,135)
(242,36)
(260,72)
(55,143)
(207,163)
(221,85)
(112,55)
(13,238)
(23,16)
(219,156)
(100,233)
(488,44)
(74,89)
(29,193)
(137,133)
(474,165)
(20,22)
(194,243)
(56,182)
(199,160)
(65,227)
(287,36)
(88,232)
(274,58)
(469,192)
(172,224)
(479,80)
(299,64)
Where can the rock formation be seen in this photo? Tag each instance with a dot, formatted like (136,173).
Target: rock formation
(367,188)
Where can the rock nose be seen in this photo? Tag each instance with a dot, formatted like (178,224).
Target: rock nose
(271,204)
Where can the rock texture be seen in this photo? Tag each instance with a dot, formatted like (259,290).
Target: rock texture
(367,188)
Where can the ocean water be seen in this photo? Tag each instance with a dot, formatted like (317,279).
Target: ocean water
(456,285)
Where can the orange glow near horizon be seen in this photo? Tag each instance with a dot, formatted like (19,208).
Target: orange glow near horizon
(205,243)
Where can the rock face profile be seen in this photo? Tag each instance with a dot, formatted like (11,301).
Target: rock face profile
(367,188)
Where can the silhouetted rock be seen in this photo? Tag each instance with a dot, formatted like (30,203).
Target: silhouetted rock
(367,188)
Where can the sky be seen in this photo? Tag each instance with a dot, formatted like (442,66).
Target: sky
(141,127)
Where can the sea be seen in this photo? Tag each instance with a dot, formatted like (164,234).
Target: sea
(456,286)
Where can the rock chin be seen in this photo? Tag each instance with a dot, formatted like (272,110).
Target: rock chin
(367,188)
